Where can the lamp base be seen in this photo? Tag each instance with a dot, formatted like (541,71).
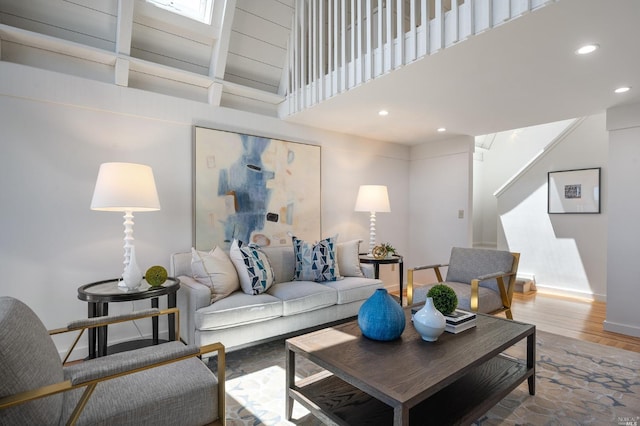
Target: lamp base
(372,233)
(132,276)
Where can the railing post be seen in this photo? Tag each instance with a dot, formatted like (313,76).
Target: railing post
(455,21)
(343,32)
(399,33)
(389,35)
(313,49)
(439,19)
(380,60)
(413,18)
(368,71)
(331,48)
(359,75)
(336,45)
(426,27)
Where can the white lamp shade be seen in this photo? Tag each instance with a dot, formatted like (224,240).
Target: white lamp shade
(125,187)
(372,198)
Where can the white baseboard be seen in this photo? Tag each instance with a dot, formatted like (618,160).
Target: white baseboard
(571,293)
(626,329)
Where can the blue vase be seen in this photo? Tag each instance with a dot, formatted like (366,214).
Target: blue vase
(380,317)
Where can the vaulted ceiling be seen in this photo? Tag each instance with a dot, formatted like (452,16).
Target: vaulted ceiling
(239,57)
(522,73)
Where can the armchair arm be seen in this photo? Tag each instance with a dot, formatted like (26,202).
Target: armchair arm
(435,267)
(506,294)
(494,275)
(88,323)
(219,347)
(110,319)
(30,395)
(126,362)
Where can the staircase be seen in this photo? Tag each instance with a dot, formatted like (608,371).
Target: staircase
(336,45)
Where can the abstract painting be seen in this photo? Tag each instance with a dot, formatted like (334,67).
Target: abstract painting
(255,189)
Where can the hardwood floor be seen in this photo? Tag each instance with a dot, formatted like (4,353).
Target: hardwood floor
(577,318)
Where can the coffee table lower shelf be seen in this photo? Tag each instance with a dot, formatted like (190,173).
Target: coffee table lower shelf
(335,401)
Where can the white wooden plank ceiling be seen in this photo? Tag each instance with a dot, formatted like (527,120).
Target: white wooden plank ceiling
(34,32)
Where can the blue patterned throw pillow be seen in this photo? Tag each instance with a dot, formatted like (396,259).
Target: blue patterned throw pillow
(315,262)
(254,270)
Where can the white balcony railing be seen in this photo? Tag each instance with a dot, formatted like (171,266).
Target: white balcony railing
(336,45)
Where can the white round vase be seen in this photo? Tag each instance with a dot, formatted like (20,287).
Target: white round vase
(429,322)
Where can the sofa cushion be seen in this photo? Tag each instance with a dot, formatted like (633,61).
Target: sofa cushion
(348,255)
(353,289)
(488,300)
(315,262)
(237,309)
(466,264)
(253,267)
(215,270)
(303,296)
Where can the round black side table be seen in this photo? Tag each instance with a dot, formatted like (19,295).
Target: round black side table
(99,294)
(396,258)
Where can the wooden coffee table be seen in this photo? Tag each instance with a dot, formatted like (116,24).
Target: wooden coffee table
(452,381)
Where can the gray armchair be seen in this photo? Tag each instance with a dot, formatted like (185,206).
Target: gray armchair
(482,279)
(166,384)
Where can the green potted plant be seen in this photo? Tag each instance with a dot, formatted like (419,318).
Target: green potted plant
(444,298)
(390,249)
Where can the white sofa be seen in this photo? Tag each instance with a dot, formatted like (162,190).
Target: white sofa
(287,307)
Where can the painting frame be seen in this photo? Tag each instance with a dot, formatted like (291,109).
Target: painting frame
(574,191)
(253,188)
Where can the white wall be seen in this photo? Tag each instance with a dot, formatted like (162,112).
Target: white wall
(567,253)
(623,267)
(509,153)
(440,187)
(56,131)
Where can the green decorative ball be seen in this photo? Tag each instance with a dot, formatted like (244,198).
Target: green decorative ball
(156,276)
(444,298)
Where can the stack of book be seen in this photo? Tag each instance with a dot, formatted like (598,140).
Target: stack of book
(459,320)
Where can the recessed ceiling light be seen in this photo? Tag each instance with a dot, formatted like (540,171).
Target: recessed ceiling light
(383,112)
(586,49)
(442,129)
(622,89)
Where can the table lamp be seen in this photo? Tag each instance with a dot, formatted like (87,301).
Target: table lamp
(372,198)
(128,188)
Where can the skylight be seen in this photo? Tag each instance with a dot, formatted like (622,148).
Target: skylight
(199,10)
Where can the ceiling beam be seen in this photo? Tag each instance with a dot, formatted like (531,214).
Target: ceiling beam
(223,14)
(124,31)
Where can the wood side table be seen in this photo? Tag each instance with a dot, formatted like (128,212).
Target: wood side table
(395,259)
(99,294)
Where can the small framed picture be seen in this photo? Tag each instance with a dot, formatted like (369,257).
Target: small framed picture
(574,191)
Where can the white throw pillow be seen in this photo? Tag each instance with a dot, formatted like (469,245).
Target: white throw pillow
(215,270)
(349,258)
(253,267)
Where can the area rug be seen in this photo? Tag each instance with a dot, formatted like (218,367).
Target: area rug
(577,383)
